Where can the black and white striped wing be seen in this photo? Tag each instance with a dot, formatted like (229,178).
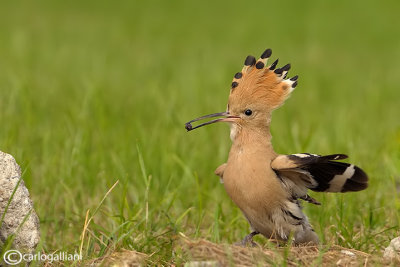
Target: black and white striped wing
(300,172)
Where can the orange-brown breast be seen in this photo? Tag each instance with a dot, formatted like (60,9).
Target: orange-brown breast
(250,181)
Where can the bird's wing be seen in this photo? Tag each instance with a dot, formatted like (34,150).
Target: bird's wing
(299,172)
(220,172)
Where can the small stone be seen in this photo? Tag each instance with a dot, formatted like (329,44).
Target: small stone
(392,252)
(27,237)
(202,264)
(348,253)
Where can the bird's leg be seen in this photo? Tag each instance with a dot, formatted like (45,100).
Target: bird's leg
(248,240)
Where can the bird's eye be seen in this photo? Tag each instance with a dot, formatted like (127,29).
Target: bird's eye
(248,112)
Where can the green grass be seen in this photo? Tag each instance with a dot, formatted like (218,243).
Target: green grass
(92,92)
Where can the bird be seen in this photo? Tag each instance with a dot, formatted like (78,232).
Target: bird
(268,187)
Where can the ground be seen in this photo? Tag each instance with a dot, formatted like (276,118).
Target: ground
(93,92)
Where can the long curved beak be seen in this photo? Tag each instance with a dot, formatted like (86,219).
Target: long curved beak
(225,115)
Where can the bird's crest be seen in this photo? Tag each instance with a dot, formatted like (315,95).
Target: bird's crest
(258,82)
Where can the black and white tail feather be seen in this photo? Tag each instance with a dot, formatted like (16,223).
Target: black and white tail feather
(300,172)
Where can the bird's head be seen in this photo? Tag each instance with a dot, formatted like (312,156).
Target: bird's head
(255,92)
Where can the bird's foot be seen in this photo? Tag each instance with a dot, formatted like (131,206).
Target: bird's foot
(248,240)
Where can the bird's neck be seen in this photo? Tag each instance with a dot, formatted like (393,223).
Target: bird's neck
(252,139)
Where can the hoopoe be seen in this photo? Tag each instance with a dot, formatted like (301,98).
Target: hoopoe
(266,186)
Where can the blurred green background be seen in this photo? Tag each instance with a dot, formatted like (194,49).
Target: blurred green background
(92,92)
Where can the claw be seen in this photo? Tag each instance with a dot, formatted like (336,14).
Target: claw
(248,240)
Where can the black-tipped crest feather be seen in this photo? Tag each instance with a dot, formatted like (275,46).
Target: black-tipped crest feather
(267,53)
(273,65)
(250,60)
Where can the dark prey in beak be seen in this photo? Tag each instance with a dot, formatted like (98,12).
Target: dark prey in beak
(189,127)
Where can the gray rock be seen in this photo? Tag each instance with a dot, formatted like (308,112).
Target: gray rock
(392,252)
(27,235)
